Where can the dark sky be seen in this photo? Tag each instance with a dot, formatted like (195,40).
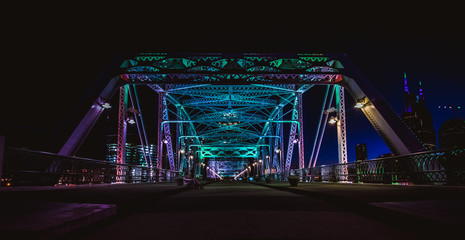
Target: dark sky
(54,53)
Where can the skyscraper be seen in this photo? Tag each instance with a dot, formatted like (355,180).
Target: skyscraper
(361,152)
(417,116)
(452,134)
(134,151)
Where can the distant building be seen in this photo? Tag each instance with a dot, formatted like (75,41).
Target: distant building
(385,155)
(134,150)
(361,152)
(452,134)
(418,118)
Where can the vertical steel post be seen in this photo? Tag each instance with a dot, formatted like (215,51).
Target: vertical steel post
(301,132)
(122,129)
(2,151)
(341,134)
(341,125)
(169,143)
(281,134)
(292,135)
(161,97)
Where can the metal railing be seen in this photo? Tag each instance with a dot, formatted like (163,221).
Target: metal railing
(436,167)
(32,168)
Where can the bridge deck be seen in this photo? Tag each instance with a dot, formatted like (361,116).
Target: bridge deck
(250,211)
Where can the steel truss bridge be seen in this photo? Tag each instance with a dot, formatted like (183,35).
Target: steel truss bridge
(218,112)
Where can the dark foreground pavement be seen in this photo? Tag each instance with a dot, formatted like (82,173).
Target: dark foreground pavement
(48,212)
(274,211)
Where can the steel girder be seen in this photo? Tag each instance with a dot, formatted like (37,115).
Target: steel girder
(249,84)
(122,129)
(219,124)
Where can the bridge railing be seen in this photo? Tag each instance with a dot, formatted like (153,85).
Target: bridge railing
(436,167)
(32,168)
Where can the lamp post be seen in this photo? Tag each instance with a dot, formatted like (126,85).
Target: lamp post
(278,151)
(180,152)
(202,172)
(255,168)
(260,169)
(189,165)
(269,164)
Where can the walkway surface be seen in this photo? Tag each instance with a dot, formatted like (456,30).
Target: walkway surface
(236,210)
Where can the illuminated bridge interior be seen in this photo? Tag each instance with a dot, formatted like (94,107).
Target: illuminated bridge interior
(220,113)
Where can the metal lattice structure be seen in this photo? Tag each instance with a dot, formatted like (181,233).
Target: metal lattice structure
(235,107)
(437,167)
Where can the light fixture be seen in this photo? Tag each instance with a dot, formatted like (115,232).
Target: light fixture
(278,151)
(359,105)
(332,120)
(106,105)
(330,110)
(165,141)
(295,141)
(131,121)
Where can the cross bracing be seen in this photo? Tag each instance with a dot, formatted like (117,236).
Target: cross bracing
(232,121)
(210,102)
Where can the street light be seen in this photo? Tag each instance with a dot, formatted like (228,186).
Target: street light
(131,120)
(181,151)
(278,151)
(106,105)
(332,120)
(359,105)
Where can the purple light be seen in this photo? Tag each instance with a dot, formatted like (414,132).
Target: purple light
(421,91)
(405,83)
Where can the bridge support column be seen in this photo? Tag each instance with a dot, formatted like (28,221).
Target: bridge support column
(80,133)
(301,132)
(122,130)
(161,98)
(341,132)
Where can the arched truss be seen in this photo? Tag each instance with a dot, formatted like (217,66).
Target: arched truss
(235,106)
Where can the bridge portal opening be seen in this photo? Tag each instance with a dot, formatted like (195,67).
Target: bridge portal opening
(226,114)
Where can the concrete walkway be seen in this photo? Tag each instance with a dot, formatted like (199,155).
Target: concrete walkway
(47,212)
(245,211)
(445,204)
(234,210)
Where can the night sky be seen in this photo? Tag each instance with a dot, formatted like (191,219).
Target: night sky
(54,53)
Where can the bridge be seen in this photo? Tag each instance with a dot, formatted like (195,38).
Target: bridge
(225,111)
(234,118)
